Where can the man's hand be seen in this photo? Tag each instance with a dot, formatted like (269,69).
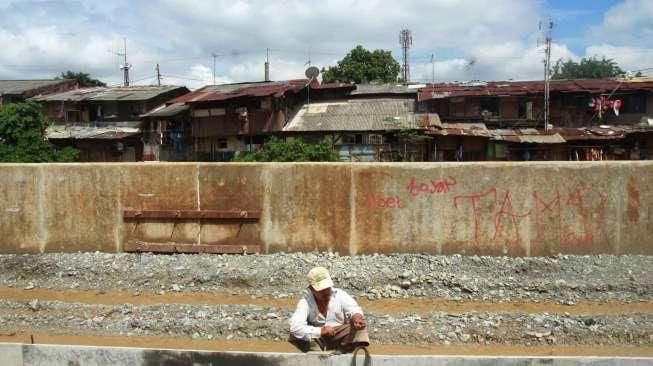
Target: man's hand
(327,331)
(358,321)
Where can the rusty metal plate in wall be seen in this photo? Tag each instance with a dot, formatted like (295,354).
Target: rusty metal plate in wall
(233,215)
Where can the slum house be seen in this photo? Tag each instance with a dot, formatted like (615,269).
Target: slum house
(573,103)
(217,122)
(379,122)
(12,91)
(515,109)
(371,122)
(104,122)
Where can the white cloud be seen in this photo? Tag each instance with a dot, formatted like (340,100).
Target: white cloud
(628,58)
(41,39)
(628,23)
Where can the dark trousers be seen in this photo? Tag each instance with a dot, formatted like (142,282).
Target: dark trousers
(345,339)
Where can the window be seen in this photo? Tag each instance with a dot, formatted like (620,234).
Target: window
(491,105)
(526,109)
(73,116)
(374,139)
(633,103)
(222,143)
(352,139)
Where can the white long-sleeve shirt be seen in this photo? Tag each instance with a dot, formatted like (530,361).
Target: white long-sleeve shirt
(307,321)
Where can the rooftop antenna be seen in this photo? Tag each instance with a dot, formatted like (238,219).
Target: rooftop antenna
(267,64)
(311,73)
(546,29)
(432,73)
(214,57)
(158,75)
(405,40)
(125,66)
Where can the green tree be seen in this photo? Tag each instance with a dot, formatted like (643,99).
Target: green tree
(292,150)
(82,78)
(22,136)
(587,68)
(363,66)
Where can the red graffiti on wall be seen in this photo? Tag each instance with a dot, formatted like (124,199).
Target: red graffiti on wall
(506,211)
(378,201)
(474,199)
(433,186)
(584,205)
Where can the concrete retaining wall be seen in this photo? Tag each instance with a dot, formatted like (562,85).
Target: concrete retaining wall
(49,355)
(517,209)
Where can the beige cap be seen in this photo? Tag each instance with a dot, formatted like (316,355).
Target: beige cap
(319,278)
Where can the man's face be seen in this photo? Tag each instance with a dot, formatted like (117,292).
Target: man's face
(323,295)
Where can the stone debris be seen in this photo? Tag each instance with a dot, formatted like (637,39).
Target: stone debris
(562,279)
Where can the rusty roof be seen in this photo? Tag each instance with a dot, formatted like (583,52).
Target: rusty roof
(212,93)
(516,88)
(460,129)
(323,86)
(22,86)
(527,136)
(130,93)
(602,132)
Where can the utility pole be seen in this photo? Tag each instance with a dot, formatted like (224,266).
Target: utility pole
(547,71)
(158,75)
(125,65)
(405,40)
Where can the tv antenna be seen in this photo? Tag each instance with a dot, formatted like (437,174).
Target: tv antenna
(125,66)
(214,55)
(547,30)
(405,40)
(311,73)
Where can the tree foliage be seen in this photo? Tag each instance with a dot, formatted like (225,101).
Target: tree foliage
(587,68)
(82,78)
(292,150)
(361,66)
(22,136)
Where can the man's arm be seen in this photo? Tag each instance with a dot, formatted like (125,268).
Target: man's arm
(349,305)
(351,308)
(299,327)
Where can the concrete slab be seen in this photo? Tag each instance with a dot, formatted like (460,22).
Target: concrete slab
(63,355)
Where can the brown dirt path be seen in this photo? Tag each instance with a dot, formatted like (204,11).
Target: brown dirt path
(278,346)
(411,305)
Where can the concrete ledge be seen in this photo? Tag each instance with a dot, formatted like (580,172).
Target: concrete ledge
(13,354)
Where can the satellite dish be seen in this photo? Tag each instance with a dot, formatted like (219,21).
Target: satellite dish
(312,72)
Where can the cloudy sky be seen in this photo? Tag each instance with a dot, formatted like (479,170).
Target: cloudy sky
(470,39)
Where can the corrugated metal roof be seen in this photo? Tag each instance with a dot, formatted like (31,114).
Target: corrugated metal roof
(231,91)
(103,131)
(526,136)
(594,133)
(132,93)
(21,86)
(515,88)
(355,115)
(371,89)
(167,110)
(460,129)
